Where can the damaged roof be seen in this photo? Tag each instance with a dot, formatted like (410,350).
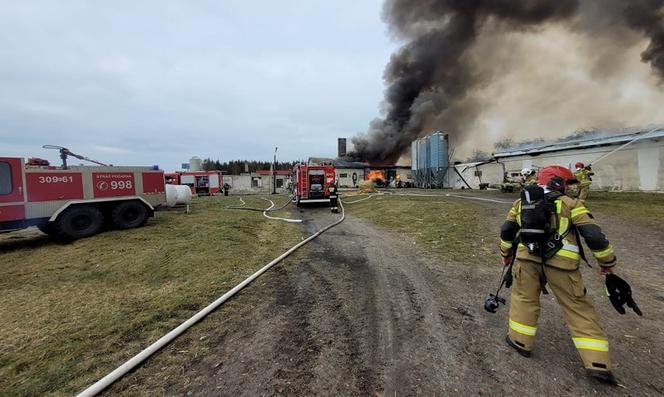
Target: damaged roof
(584,143)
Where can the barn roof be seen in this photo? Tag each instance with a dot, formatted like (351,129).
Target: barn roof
(584,143)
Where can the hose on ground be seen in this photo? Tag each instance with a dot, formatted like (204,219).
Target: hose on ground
(269,209)
(135,361)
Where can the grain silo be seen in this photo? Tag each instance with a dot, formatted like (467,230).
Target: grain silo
(430,157)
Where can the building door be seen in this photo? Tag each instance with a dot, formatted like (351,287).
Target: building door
(12,202)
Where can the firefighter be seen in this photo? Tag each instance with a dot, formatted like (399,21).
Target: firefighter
(333,198)
(584,175)
(532,273)
(528,177)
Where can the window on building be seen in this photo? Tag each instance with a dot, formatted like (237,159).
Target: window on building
(5,178)
(280,183)
(478,173)
(255,182)
(343,175)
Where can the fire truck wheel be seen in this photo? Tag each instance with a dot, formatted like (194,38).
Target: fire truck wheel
(79,221)
(46,228)
(129,214)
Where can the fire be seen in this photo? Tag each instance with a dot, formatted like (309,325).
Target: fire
(376,175)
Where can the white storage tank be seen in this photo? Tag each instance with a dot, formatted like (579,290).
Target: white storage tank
(178,195)
(183,195)
(171,195)
(195,164)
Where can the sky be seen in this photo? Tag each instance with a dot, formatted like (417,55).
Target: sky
(157,82)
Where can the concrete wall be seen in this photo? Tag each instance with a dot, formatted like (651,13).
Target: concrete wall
(345,176)
(638,167)
(255,183)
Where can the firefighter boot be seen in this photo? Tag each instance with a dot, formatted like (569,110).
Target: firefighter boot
(579,314)
(524,307)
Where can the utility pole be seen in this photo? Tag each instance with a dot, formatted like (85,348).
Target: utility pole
(274,172)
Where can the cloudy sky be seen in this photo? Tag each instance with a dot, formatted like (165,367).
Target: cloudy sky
(156,82)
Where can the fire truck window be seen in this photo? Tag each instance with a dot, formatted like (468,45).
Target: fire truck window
(5,178)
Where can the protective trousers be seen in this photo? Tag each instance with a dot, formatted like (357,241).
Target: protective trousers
(584,189)
(578,311)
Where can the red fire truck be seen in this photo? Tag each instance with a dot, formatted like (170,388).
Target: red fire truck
(311,183)
(77,201)
(202,183)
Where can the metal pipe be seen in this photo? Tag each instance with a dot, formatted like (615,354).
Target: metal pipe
(133,362)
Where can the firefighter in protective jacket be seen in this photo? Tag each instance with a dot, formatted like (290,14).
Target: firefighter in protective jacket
(569,218)
(584,175)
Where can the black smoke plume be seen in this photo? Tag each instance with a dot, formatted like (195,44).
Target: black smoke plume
(432,74)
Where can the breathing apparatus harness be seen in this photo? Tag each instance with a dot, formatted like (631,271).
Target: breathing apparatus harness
(541,238)
(537,234)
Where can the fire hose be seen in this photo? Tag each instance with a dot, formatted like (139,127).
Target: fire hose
(626,144)
(266,210)
(135,361)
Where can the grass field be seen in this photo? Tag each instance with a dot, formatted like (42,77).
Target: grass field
(446,227)
(645,208)
(70,313)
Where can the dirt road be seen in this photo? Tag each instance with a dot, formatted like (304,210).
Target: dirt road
(364,311)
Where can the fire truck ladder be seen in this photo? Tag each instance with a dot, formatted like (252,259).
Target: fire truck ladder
(64,153)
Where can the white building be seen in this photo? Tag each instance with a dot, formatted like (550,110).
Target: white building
(637,167)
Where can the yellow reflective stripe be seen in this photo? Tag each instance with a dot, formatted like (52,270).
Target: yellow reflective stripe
(604,253)
(505,244)
(591,344)
(522,328)
(522,246)
(568,254)
(579,211)
(559,206)
(562,228)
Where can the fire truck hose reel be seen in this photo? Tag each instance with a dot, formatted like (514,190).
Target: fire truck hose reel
(133,362)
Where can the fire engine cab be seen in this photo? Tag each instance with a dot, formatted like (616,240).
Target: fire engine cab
(77,201)
(311,183)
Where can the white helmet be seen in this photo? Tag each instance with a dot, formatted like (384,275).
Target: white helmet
(526,171)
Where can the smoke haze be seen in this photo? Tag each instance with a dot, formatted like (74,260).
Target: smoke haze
(484,70)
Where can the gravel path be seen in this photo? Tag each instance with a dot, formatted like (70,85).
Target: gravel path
(362,311)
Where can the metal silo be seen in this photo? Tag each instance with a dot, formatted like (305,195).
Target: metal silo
(438,157)
(413,155)
(430,156)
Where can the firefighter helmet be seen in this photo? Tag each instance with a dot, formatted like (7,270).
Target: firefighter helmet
(579,165)
(526,172)
(556,177)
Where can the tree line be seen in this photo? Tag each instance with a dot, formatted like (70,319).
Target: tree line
(236,167)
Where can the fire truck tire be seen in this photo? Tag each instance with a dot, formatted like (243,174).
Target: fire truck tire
(46,228)
(78,221)
(129,214)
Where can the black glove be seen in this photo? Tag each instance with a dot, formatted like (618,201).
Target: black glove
(620,293)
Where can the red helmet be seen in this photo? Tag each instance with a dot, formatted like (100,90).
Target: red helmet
(579,165)
(556,177)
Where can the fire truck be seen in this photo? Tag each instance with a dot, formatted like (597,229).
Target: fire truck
(311,183)
(202,183)
(73,202)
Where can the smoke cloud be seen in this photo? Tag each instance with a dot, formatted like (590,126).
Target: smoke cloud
(486,69)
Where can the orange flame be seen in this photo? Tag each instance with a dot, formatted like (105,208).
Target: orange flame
(376,175)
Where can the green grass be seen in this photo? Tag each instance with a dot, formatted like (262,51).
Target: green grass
(446,227)
(70,313)
(644,208)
